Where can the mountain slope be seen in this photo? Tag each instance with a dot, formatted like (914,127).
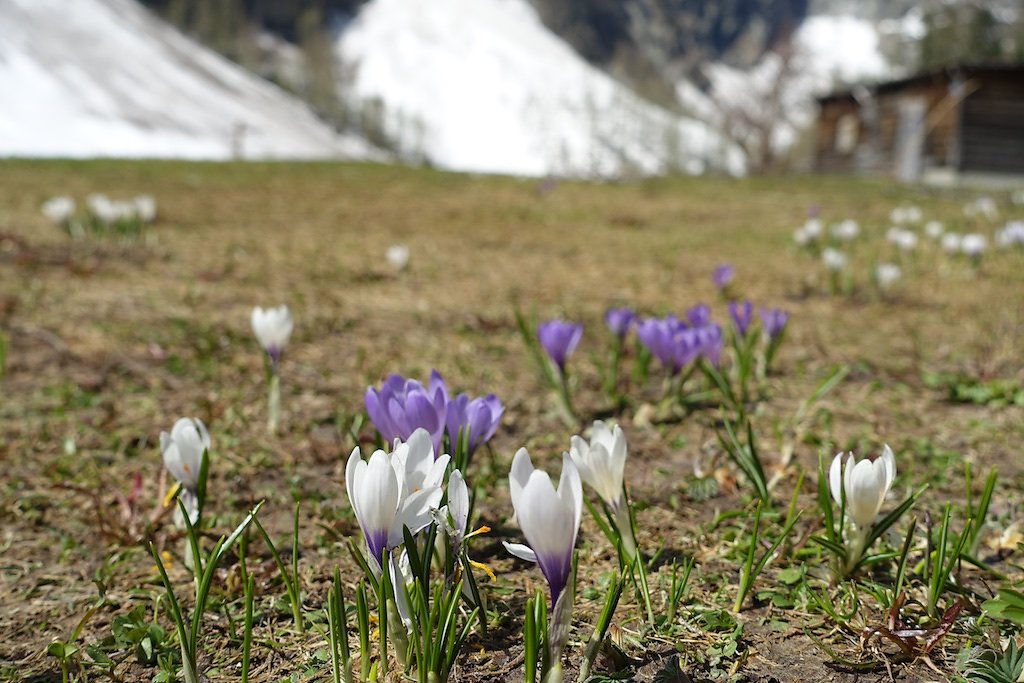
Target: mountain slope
(107,78)
(482,85)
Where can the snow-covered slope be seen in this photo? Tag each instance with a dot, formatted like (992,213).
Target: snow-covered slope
(482,85)
(106,78)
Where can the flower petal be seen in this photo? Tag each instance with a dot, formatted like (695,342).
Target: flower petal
(521,551)
(522,468)
(835,478)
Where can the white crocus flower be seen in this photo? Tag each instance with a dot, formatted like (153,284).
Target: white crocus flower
(934,229)
(183,452)
(864,486)
(397,256)
(59,209)
(273,327)
(145,208)
(834,259)
(382,497)
(1012,234)
(548,517)
(601,464)
(906,214)
(905,240)
(951,243)
(414,463)
(813,228)
(846,231)
(973,245)
(887,274)
(984,207)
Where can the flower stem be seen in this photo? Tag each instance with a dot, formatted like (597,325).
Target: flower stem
(274,403)
(611,385)
(554,674)
(855,551)
(565,401)
(624,526)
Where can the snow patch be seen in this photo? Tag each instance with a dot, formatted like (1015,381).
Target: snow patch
(840,49)
(483,85)
(106,78)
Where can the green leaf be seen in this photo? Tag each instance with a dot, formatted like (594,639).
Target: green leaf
(791,575)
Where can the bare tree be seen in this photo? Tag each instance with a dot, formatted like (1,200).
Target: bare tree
(759,108)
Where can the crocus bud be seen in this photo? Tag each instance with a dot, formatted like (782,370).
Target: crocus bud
(559,339)
(742,315)
(846,231)
(59,209)
(397,257)
(602,461)
(773,321)
(602,465)
(479,417)
(619,321)
(865,484)
(951,242)
(273,327)
(548,517)
(183,452)
(834,259)
(722,275)
(886,274)
(699,315)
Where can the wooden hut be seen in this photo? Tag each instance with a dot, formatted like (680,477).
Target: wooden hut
(965,119)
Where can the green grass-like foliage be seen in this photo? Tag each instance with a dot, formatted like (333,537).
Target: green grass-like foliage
(189,628)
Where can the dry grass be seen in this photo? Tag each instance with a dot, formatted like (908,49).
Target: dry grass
(109,343)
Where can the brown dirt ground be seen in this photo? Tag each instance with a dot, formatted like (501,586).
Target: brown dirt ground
(109,343)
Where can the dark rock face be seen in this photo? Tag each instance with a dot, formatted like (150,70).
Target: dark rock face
(641,40)
(636,39)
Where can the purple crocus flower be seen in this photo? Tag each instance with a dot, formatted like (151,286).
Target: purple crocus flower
(688,345)
(481,416)
(661,337)
(742,315)
(774,321)
(723,275)
(619,321)
(559,339)
(710,343)
(402,405)
(699,315)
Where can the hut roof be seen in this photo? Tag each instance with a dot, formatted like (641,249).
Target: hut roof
(936,75)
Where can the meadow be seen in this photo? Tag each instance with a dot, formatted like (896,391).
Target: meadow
(107,340)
